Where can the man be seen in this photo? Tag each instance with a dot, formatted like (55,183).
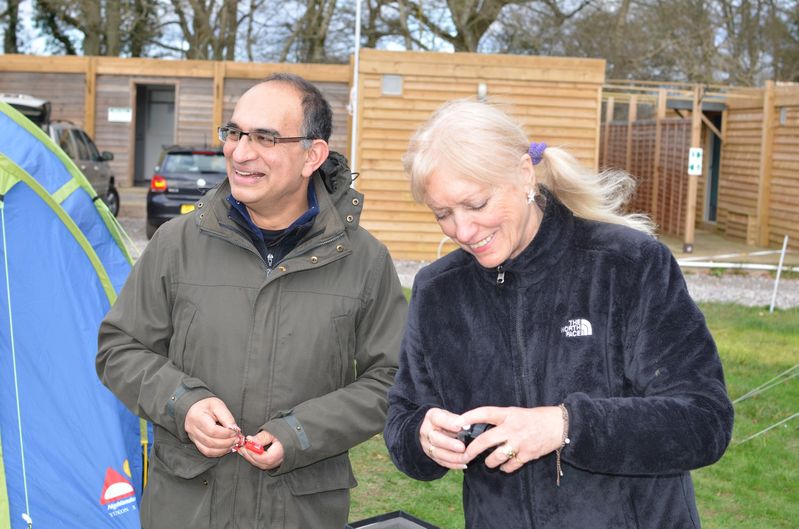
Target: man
(266,313)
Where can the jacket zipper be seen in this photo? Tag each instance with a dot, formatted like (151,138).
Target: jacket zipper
(500,275)
(522,383)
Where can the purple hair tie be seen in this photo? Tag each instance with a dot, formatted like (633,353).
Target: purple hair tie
(536,151)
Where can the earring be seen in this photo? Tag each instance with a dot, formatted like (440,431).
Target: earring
(531,196)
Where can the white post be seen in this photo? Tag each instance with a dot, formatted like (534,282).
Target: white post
(354,91)
(779,270)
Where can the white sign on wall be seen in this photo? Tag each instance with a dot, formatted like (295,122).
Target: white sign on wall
(695,162)
(120,114)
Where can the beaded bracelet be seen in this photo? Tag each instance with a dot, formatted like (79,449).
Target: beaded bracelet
(564,441)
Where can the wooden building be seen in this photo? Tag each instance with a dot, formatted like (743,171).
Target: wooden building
(132,107)
(557,100)
(749,184)
(759,182)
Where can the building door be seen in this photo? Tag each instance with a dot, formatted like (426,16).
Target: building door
(155,127)
(712,194)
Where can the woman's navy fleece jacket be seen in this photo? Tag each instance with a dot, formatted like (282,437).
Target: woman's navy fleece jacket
(593,315)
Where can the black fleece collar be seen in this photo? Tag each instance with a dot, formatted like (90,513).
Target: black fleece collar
(541,256)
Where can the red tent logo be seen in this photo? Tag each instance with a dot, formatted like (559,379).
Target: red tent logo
(115,487)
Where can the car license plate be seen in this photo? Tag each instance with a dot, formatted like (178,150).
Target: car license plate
(186,208)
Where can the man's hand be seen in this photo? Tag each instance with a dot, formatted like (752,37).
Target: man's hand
(211,427)
(273,453)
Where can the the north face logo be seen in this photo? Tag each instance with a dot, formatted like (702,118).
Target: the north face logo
(577,327)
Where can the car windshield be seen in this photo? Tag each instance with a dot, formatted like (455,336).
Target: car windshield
(194,162)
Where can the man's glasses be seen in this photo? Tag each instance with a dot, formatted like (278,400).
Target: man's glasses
(264,139)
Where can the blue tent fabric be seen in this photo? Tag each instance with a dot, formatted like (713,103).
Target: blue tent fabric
(71,451)
(33,151)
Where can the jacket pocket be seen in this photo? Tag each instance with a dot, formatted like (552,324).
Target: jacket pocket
(343,362)
(319,494)
(180,490)
(333,473)
(183,318)
(181,460)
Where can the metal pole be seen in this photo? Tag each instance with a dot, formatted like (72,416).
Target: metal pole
(779,270)
(354,91)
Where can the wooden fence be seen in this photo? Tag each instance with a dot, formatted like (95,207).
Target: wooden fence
(662,187)
(753,191)
(759,187)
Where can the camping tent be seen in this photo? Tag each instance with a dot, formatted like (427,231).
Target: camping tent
(71,451)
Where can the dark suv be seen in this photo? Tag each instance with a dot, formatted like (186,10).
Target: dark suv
(182,176)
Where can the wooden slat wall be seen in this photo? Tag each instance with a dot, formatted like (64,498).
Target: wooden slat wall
(784,199)
(114,91)
(557,101)
(738,175)
(740,166)
(63,90)
(337,94)
(194,105)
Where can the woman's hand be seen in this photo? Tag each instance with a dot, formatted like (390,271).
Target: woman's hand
(438,437)
(520,435)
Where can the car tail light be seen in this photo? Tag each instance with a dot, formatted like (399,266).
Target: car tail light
(158,184)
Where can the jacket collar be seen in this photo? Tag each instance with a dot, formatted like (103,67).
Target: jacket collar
(541,256)
(239,213)
(340,207)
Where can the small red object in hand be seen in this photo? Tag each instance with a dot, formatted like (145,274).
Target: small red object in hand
(252,446)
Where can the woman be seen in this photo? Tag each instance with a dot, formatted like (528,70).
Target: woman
(561,323)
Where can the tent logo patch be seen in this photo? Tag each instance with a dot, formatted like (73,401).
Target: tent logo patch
(118,494)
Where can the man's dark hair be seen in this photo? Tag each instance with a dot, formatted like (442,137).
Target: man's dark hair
(317,121)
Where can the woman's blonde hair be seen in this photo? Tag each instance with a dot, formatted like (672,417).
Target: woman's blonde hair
(481,142)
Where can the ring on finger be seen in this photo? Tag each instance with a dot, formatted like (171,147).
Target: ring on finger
(508,450)
(430,450)
(428,438)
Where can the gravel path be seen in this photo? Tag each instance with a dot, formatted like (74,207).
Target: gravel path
(750,289)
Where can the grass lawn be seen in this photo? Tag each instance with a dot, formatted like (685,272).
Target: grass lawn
(754,486)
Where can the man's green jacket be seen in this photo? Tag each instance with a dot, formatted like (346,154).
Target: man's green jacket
(306,351)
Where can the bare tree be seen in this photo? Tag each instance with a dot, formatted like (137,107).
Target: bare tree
(208,27)
(55,20)
(468,20)
(98,27)
(308,33)
(11,18)
(783,37)
(249,37)
(144,27)
(539,27)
